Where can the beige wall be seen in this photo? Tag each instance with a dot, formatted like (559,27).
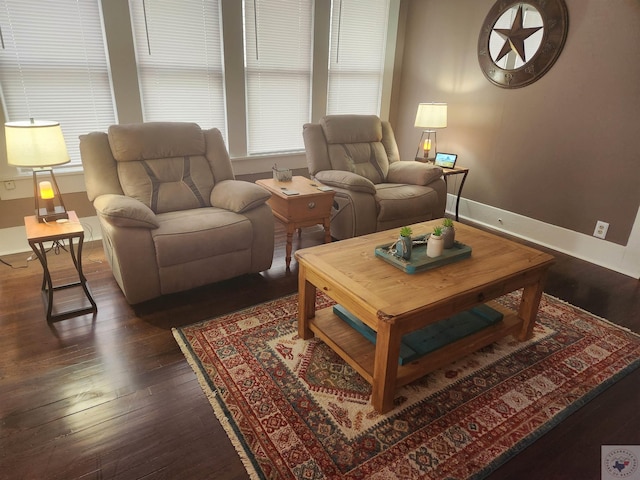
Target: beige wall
(562,150)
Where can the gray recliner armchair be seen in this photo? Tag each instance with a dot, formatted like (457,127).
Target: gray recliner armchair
(358,156)
(173,217)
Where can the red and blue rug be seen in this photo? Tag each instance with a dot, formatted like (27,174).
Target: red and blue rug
(295,410)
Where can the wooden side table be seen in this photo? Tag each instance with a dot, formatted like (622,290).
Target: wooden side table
(447,172)
(37,235)
(310,206)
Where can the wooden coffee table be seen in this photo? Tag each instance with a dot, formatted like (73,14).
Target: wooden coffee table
(393,303)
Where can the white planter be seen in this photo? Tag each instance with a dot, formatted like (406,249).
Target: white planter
(435,245)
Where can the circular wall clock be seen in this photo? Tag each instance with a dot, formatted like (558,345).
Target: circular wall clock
(520,41)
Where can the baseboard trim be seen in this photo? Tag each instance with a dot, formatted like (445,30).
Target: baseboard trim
(621,259)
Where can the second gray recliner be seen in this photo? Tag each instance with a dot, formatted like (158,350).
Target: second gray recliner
(358,156)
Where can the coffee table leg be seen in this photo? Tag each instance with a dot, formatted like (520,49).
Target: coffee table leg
(306,303)
(529,304)
(385,369)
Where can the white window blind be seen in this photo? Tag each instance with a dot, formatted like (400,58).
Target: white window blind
(278,60)
(53,66)
(179,56)
(356,56)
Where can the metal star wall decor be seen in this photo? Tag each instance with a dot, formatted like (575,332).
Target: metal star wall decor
(515,37)
(519,55)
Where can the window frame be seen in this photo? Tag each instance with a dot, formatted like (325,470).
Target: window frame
(124,83)
(175,67)
(278,63)
(72,69)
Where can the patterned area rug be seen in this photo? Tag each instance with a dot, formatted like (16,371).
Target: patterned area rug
(295,410)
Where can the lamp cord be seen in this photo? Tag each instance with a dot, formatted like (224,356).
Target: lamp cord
(12,266)
(146,25)
(339,32)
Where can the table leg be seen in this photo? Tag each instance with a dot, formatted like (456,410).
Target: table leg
(464,177)
(529,304)
(385,368)
(78,264)
(306,304)
(290,230)
(326,223)
(47,283)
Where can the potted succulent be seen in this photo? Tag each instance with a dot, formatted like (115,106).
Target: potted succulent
(448,233)
(435,244)
(404,243)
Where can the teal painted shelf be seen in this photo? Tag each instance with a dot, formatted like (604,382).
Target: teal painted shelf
(432,337)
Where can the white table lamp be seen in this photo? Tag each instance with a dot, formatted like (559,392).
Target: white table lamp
(39,145)
(429,116)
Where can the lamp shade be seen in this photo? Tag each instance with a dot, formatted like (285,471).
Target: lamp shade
(35,144)
(431,115)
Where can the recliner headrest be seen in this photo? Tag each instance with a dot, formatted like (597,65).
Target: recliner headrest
(352,128)
(151,140)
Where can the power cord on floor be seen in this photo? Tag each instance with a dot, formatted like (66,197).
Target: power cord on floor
(56,245)
(14,266)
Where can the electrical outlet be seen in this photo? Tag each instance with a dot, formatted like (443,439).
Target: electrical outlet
(9,185)
(601,229)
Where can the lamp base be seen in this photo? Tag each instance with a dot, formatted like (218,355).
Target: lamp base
(423,155)
(48,209)
(45,216)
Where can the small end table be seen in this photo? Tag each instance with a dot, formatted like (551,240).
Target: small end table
(447,172)
(308,206)
(37,235)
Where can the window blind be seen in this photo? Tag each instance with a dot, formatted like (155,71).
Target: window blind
(278,60)
(53,66)
(179,57)
(356,56)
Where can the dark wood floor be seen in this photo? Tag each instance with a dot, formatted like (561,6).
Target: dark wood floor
(114,398)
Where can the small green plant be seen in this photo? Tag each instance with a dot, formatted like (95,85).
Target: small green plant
(437,231)
(406,232)
(447,222)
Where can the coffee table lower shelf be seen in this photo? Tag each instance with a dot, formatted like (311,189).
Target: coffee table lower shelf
(359,352)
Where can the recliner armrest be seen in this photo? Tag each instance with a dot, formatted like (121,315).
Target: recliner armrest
(123,211)
(346,180)
(413,173)
(238,196)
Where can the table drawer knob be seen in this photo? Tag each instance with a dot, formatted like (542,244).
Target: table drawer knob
(311,205)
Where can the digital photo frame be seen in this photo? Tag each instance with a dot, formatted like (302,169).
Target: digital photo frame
(446,160)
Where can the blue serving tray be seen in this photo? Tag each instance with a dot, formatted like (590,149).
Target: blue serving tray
(419,261)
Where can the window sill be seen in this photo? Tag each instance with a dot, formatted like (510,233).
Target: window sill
(263,163)
(69,181)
